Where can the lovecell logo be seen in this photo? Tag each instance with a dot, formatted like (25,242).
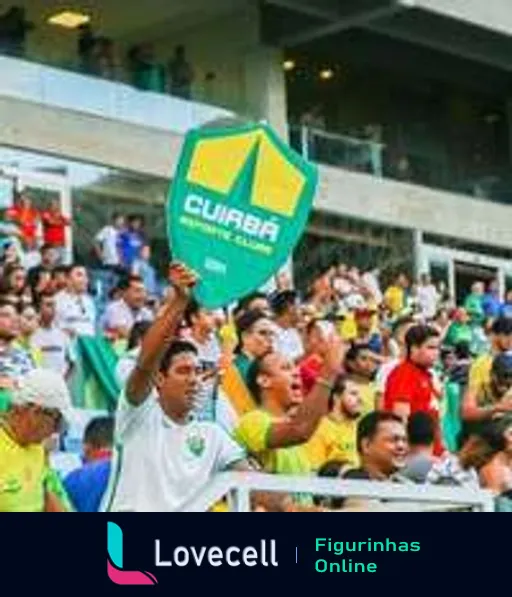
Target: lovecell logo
(115,561)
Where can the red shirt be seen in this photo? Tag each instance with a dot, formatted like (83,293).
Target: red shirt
(309,369)
(413,385)
(54,226)
(26,218)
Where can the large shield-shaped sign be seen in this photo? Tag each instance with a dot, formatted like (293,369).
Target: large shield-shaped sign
(237,207)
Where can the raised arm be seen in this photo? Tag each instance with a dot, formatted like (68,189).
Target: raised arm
(299,427)
(160,335)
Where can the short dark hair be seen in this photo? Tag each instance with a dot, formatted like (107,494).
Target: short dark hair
(502,326)
(99,432)
(126,281)
(243,303)
(281,301)
(353,353)
(255,369)
(193,308)
(338,387)
(418,335)
(61,269)
(248,319)
(137,333)
(175,348)
(369,425)
(420,429)
(47,247)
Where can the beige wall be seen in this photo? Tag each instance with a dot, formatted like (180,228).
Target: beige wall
(152,152)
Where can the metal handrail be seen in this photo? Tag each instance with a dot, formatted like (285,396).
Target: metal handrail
(238,486)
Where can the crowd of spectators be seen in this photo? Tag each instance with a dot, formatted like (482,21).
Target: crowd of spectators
(100,56)
(352,379)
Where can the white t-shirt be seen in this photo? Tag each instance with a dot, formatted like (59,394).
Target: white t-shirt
(288,343)
(428,300)
(160,466)
(108,238)
(119,315)
(209,354)
(76,313)
(55,347)
(126,365)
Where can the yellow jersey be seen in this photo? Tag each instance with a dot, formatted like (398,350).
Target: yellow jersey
(333,440)
(23,472)
(480,376)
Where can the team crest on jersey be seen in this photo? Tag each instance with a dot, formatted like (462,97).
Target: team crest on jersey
(196,444)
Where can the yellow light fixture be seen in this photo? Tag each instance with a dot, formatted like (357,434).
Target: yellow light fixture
(69,19)
(289,65)
(326,74)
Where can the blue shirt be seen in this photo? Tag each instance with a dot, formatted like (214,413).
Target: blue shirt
(130,244)
(147,272)
(85,486)
(491,305)
(506,310)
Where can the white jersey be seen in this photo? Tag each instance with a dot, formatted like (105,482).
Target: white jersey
(75,313)
(288,343)
(159,465)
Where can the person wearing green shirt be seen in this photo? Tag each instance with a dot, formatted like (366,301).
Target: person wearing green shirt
(459,330)
(474,303)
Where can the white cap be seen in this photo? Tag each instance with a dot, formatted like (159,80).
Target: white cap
(43,387)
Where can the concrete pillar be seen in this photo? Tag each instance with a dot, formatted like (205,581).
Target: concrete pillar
(417,244)
(265,88)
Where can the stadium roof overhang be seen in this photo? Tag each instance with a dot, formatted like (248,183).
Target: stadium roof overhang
(292,23)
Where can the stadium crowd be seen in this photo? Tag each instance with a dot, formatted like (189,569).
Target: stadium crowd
(350,380)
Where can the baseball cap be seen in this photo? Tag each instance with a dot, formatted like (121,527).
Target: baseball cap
(43,387)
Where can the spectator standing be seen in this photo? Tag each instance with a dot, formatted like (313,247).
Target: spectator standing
(366,332)
(460,329)
(86,43)
(395,296)
(428,298)
(142,267)
(491,303)
(54,227)
(49,258)
(474,303)
(506,307)
(75,310)
(53,344)
(146,73)
(181,75)
(107,243)
(121,315)
(288,341)
(411,387)
(13,31)
(131,241)
(86,485)
(26,217)
(128,361)
(201,334)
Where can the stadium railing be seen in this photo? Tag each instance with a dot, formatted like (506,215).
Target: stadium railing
(398,497)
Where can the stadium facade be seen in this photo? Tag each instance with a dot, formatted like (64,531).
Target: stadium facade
(405,104)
